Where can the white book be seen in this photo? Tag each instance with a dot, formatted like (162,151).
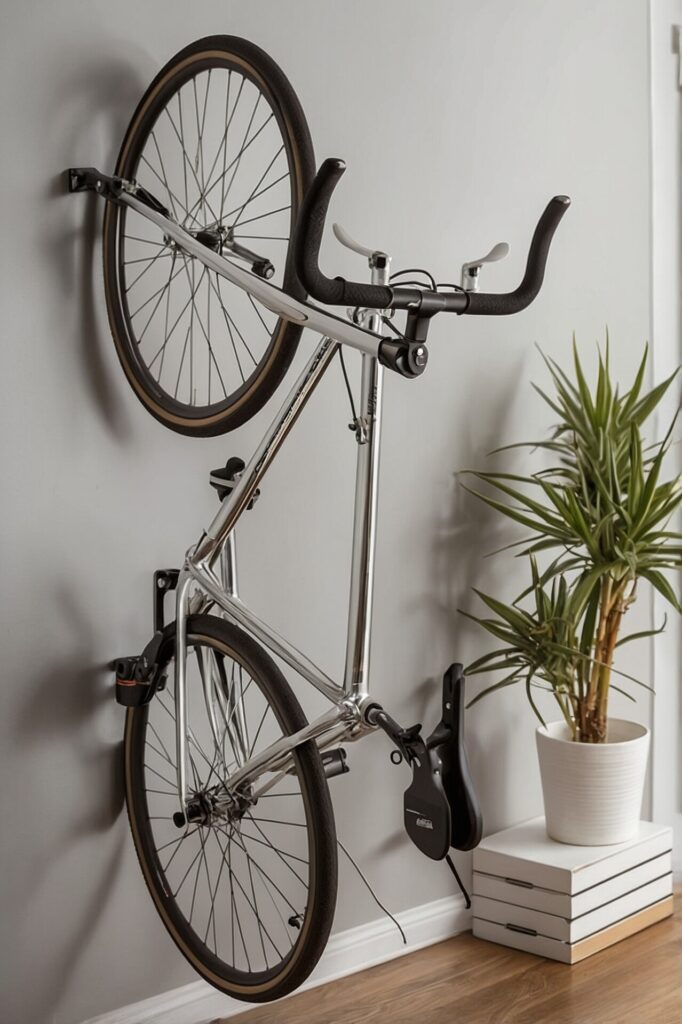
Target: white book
(571,953)
(525,853)
(536,897)
(552,926)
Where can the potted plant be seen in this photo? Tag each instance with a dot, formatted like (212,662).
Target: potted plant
(597,526)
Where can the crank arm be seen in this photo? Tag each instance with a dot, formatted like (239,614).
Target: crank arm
(275,757)
(286,766)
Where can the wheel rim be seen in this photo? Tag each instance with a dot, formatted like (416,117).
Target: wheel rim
(218,153)
(229,888)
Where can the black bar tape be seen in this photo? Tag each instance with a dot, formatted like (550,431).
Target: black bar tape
(334,291)
(490,304)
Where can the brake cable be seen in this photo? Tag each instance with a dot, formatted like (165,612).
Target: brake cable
(354,414)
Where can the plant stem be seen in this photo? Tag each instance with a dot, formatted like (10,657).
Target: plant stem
(619,605)
(599,648)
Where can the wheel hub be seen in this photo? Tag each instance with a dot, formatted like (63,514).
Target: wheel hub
(216,805)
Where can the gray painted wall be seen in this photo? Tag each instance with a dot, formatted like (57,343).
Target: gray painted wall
(457,122)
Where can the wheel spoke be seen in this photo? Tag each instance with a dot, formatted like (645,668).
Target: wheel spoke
(253,906)
(211,918)
(234,903)
(258,731)
(162,756)
(150,264)
(172,198)
(177,321)
(202,195)
(270,238)
(160,292)
(230,324)
(254,191)
(192,299)
(237,158)
(224,192)
(263,872)
(262,929)
(261,216)
(145,241)
(145,259)
(158,774)
(280,853)
(165,324)
(192,863)
(190,735)
(260,315)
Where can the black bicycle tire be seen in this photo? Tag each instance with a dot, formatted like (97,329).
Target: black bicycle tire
(278,355)
(316,925)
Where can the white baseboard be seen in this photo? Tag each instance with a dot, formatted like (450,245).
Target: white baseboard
(348,952)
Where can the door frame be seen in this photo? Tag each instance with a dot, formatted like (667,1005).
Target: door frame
(666,322)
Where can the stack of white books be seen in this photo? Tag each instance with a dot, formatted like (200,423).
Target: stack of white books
(568,902)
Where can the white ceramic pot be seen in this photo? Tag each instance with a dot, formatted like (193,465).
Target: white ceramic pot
(593,791)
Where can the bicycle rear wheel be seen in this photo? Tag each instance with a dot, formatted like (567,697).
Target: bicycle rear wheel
(248,896)
(221,139)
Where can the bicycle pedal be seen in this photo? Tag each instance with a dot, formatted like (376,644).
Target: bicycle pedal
(334,762)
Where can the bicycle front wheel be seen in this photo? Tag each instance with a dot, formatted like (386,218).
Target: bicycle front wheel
(247,893)
(221,139)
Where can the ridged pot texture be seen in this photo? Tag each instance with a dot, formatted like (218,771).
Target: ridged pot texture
(593,791)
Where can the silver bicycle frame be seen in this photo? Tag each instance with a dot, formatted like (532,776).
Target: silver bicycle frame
(199,581)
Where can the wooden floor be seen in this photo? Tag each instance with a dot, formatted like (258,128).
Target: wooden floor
(468,981)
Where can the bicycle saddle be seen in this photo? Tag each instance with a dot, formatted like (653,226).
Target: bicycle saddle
(440,805)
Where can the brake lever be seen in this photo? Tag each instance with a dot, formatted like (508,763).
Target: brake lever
(471,271)
(349,242)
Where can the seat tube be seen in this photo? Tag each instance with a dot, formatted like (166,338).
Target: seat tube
(368,434)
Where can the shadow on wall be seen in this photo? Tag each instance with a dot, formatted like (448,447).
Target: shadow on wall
(469,533)
(61,721)
(94,109)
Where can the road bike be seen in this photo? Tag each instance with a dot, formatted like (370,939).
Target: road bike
(212,228)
